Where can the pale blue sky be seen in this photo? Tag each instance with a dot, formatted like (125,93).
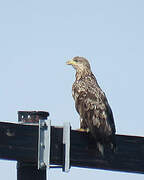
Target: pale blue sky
(38,37)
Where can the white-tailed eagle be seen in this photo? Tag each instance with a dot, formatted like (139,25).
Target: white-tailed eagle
(92,105)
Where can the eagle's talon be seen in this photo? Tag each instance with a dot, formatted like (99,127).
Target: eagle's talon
(83,130)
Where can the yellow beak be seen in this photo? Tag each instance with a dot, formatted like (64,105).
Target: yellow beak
(71,62)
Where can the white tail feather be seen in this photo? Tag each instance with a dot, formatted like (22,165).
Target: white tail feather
(100,148)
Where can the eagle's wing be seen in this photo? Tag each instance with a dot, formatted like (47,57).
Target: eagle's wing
(98,114)
(93,107)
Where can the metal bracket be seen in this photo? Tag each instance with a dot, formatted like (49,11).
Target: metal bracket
(44,143)
(66,147)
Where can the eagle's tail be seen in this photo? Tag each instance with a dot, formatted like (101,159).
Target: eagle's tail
(106,147)
(100,148)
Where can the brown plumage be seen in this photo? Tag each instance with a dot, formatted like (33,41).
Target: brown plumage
(92,105)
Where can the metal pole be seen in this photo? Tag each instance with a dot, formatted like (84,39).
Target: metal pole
(29,170)
(66,147)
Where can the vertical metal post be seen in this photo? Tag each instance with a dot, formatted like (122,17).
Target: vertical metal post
(44,144)
(66,147)
(29,170)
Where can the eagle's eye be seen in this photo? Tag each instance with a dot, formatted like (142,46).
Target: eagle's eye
(75,60)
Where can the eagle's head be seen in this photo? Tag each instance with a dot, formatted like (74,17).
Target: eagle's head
(80,64)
